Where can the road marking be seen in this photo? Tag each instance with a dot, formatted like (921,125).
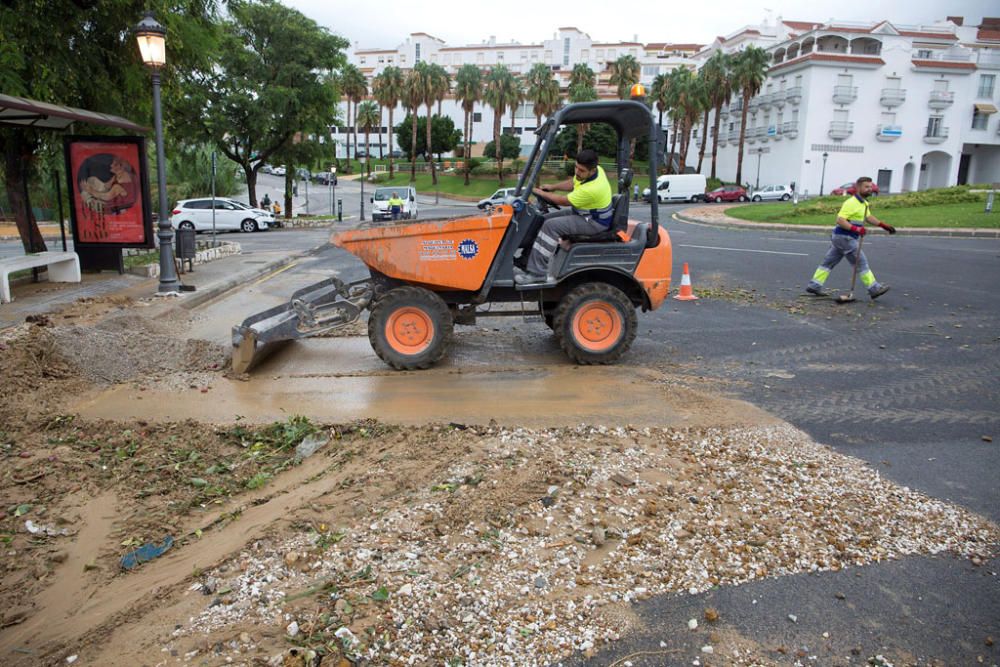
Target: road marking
(772,238)
(274,273)
(768,252)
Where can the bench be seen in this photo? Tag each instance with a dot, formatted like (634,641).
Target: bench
(63,267)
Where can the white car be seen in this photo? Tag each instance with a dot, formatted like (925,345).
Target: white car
(230,214)
(380,203)
(772,192)
(278,171)
(497,197)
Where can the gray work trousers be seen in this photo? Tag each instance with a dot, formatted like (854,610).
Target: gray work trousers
(565,222)
(843,246)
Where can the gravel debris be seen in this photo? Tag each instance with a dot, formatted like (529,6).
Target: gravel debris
(470,551)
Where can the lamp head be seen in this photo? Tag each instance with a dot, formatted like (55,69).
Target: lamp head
(152,39)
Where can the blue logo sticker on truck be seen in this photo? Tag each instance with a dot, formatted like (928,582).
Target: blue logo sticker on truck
(468,249)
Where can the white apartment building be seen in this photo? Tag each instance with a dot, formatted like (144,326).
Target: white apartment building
(914,107)
(568,47)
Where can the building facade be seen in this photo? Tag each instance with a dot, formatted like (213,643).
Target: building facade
(914,107)
(568,47)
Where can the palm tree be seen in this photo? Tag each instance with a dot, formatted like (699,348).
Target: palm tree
(542,91)
(749,72)
(516,101)
(468,91)
(413,97)
(658,94)
(438,86)
(582,88)
(719,85)
(691,103)
(355,87)
(624,74)
(499,94)
(388,89)
(673,99)
(369,115)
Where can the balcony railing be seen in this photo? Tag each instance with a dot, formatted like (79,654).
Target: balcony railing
(888,132)
(936,135)
(844,94)
(754,104)
(790,129)
(734,135)
(840,129)
(751,136)
(892,97)
(941,99)
(773,132)
(988,60)
(794,95)
(765,100)
(778,98)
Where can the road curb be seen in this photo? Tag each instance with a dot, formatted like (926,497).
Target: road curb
(733,223)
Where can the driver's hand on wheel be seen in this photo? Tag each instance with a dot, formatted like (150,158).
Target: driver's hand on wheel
(546,188)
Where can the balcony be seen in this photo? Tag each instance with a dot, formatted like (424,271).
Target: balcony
(737,106)
(778,98)
(773,132)
(988,60)
(734,135)
(844,94)
(937,135)
(790,129)
(889,132)
(794,95)
(840,129)
(754,104)
(764,101)
(941,99)
(751,137)
(892,97)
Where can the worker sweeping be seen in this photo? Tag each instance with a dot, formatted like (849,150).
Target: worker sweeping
(846,242)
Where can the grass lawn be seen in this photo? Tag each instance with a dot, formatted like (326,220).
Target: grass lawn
(478,188)
(969,214)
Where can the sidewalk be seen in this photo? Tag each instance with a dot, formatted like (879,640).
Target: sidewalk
(210,280)
(715,215)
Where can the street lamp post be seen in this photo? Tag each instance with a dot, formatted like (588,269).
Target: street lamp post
(152,46)
(822,178)
(757,185)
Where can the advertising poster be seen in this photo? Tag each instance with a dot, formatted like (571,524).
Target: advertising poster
(109,191)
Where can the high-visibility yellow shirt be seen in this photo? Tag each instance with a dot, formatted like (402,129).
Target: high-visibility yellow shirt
(395,202)
(593,196)
(855,210)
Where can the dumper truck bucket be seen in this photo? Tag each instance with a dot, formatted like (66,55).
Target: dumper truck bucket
(319,308)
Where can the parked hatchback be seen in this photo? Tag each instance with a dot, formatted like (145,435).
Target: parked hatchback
(851,188)
(497,197)
(726,193)
(773,193)
(230,215)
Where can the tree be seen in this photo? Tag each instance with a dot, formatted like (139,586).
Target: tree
(436,85)
(582,88)
(84,54)
(658,95)
(468,91)
(599,137)
(749,72)
(718,82)
(388,89)
(542,91)
(413,97)
(500,93)
(444,135)
(354,86)
(510,146)
(273,78)
(517,98)
(624,74)
(368,117)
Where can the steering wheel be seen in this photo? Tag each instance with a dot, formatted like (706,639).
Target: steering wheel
(544,203)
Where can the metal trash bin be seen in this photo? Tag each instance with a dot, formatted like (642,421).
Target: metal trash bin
(186,248)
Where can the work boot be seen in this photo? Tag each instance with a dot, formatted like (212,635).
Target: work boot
(877,291)
(817,290)
(522,277)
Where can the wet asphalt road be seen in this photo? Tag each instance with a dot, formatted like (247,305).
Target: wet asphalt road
(908,383)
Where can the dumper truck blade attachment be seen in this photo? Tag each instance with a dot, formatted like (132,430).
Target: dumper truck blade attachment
(312,311)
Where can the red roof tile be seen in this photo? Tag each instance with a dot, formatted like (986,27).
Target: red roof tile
(987,35)
(928,35)
(802,25)
(943,63)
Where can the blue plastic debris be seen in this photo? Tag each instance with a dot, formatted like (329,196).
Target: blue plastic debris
(146,552)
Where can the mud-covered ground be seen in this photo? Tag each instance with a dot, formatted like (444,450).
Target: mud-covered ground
(303,543)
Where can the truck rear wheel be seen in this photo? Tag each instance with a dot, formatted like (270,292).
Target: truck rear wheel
(595,323)
(410,328)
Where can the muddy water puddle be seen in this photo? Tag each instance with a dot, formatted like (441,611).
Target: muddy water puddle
(340,380)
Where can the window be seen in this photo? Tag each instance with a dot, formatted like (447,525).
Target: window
(499,58)
(381,59)
(934,126)
(534,56)
(362,60)
(650,70)
(979,119)
(941,86)
(416,57)
(585,55)
(893,82)
(924,53)
(479,58)
(599,54)
(986,82)
(888,118)
(565,59)
(548,56)
(477,116)
(845,80)
(402,58)
(612,54)
(798,80)
(524,56)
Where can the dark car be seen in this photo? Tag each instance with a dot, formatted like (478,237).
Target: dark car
(396,154)
(324,178)
(726,193)
(850,189)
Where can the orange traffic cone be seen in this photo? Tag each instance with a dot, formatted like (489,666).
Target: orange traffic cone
(686,293)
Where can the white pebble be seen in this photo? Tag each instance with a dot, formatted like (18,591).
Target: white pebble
(707,649)
(292,629)
(693,624)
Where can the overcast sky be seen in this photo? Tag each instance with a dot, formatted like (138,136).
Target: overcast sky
(386,23)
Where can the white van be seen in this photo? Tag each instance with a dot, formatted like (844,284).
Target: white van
(679,187)
(380,203)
